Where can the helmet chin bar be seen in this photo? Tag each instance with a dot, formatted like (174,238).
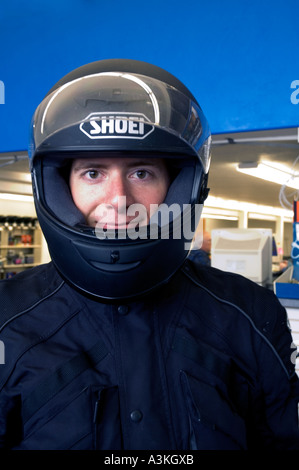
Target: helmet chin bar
(113,270)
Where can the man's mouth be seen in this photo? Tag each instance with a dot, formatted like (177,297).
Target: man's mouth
(119,225)
(106,217)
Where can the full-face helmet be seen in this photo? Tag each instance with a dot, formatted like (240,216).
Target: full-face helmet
(119,108)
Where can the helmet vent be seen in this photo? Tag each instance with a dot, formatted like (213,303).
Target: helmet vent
(114,255)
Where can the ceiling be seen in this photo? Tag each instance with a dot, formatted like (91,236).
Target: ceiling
(230,149)
(224,181)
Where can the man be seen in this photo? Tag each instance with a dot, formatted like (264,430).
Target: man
(202,249)
(119,342)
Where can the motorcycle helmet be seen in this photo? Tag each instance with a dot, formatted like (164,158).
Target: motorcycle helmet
(103,109)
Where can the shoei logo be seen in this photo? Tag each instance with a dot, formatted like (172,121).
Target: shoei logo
(116,125)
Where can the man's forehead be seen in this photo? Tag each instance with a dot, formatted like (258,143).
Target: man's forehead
(99,162)
(69,160)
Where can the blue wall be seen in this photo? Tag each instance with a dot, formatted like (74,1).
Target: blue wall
(238,58)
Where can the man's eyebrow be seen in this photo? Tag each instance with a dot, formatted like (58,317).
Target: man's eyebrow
(98,164)
(84,165)
(144,162)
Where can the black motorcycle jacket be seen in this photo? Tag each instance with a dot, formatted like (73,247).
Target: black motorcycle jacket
(203,363)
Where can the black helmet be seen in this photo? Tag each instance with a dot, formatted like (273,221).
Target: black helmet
(119,107)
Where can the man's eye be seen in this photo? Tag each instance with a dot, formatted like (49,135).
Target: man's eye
(92,174)
(141,174)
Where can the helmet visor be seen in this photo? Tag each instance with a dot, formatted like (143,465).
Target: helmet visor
(115,105)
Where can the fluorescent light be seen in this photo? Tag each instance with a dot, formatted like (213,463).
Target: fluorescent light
(220,217)
(220,203)
(252,215)
(16,197)
(218,213)
(273,172)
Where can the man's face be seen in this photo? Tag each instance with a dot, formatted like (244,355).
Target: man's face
(104,188)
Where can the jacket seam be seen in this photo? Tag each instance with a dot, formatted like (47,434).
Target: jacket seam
(227,302)
(17,315)
(40,340)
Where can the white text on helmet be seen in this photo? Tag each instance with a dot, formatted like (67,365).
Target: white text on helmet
(99,126)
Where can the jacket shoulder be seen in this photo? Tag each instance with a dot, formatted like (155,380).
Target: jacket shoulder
(26,289)
(229,287)
(255,304)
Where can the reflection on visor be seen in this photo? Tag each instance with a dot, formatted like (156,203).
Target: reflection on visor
(120,105)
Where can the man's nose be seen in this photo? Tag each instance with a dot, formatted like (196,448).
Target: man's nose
(118,193)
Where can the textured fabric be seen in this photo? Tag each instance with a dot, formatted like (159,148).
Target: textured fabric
(203,364)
